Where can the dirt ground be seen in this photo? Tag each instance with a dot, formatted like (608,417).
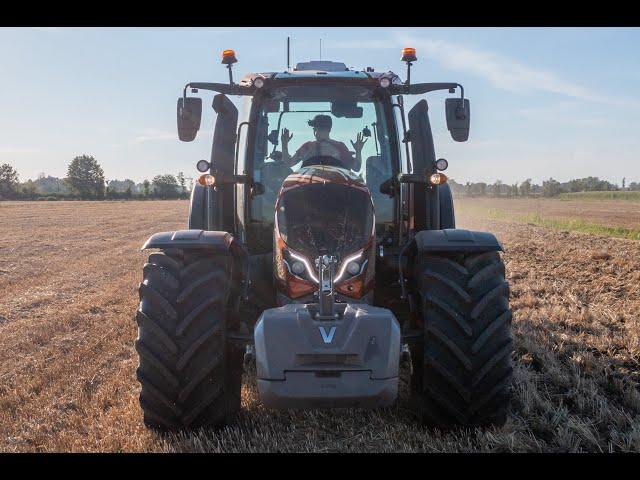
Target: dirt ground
(68,281)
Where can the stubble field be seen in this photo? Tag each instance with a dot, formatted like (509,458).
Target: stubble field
(68,293)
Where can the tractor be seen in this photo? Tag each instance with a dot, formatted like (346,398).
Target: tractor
(325,266)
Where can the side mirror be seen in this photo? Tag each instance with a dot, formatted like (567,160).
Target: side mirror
(458,118)
(189,114)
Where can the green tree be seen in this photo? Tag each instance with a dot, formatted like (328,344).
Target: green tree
(110,191)
(85,177)
(146,186)
(165,186)
(525,188)
(181,182)
(47,184)
(121,186)
(8,181)
(29,189)
(496,188)
(551,188)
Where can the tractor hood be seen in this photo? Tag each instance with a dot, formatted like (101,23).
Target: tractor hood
(325,210)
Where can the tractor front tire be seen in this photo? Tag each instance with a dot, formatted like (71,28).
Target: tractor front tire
(190,374)
(462,372)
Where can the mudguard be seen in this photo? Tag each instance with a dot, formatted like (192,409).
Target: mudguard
(447,214)
(456,240)
(220,243)
(198,207)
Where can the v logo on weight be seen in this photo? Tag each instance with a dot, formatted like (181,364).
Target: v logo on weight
(327,338)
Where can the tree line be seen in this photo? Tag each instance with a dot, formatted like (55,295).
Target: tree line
(549,188)
(85,180)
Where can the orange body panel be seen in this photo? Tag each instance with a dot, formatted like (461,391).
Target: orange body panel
(295,287)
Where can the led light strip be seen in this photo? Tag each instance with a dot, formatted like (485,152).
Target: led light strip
(306,264)
(343,267)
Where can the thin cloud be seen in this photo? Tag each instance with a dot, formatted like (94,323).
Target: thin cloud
(503,72)
(500,71)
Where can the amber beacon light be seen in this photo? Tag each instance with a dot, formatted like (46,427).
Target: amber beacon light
(229,57)
(409,55)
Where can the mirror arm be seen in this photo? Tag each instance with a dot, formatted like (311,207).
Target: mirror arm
(420,88)
(412,178)
(226,179)
(225,88)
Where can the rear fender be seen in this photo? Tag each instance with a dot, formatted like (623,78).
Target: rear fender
(219,243)
(455,240)
(448,240)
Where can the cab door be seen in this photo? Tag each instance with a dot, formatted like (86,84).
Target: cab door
(242,191)
(405,167)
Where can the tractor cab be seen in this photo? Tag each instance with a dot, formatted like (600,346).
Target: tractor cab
(319,113)
(334,117)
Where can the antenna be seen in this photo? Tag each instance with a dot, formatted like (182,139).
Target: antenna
(288,61)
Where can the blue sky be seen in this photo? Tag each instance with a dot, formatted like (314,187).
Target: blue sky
(561,102)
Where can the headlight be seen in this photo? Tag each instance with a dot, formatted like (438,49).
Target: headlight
(306,266)
(442,164)
(353,268)
(385,82)
(346,263)
(203,166)
(206,179)
(437,179)
(301,267)
(258,82)
(297,268)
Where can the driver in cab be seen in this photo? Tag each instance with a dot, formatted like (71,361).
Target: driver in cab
(323,150)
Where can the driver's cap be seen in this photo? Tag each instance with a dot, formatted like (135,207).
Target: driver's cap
(321,121)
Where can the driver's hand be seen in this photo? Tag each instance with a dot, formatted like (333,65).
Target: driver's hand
(285,136)
(359,143)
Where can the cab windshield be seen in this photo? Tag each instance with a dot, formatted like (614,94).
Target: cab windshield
(291,132)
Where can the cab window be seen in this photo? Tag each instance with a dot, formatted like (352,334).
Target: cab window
(291,131)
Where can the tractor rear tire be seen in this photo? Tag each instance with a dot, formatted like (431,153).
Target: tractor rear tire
(190,374)
(462,372)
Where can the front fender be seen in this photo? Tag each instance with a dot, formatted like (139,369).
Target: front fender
(456,240)
(220,243)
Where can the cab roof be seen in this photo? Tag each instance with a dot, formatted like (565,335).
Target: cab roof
(322,69)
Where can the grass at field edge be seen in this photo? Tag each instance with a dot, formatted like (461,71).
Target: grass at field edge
(571,224)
